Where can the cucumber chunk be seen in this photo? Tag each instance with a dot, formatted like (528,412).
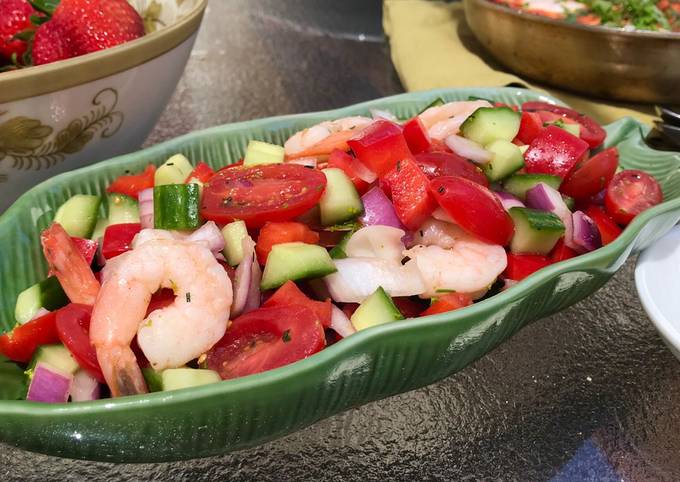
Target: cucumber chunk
(573,129)
(507,158)
(233,234)
(536,232)
(338,251)
(569,201)
(519,184)
(78,215)
(375,310)
(438,102)
(176,378)
(295,261)
(340,201)
(259,152)
(47,294)
(175,170)
(122,209)
(99,229)
(153,379)
(176,206)
(488,124)
(56,356)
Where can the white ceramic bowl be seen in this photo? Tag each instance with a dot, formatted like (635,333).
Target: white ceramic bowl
(62,116)
(657,279)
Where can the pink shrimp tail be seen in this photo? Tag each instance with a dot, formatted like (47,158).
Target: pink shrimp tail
(69,265)
(121,371)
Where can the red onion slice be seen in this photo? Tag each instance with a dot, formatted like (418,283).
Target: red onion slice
(586,235)
(211,235)
(508,200)
(378,210)
(84,387)
(146,208)
(468,149)
(242,277)
(254,299)
(49,385)
(340,323)
(310,162)
(545,198)
(363,172)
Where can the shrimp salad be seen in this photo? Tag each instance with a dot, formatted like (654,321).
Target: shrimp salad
(195,276)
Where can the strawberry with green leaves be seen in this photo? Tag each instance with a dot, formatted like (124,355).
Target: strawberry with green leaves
(15,24)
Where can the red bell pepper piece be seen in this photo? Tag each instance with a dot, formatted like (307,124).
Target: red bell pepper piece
(380,146)
(411,197)
(554,151)
(561,252)
(609,230)
(202,172)
(530,127)
(448,302)
(351,166)
(522,265)
(20,343)
(131,185)
(290,294)
(118,239)
(416,136)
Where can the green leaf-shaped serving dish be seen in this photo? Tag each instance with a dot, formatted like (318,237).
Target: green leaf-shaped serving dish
(370,365)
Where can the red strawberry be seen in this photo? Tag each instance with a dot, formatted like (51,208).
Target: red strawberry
(14,18)
(51,43)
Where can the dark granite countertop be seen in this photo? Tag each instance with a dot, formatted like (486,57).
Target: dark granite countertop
(587,394)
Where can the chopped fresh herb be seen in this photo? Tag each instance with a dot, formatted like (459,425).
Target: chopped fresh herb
(188,297)
(441,190)
(286,336)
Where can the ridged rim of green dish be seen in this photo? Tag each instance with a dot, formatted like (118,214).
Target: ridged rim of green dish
(361,339)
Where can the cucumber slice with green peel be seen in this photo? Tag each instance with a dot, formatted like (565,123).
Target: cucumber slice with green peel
(122,209)
(175,170)
(295,261)
(99,229)
(56,356)
(574,129)
(233,234)
(338,251)
(176,206)
(78,215)
(375,310)
(438,102)
(569,201)
(536,232)
(507,158)
(523,148)
(259,152)
(519,184)
(488,124)
(153,379)
(340,201)
(47,294)
(177,378)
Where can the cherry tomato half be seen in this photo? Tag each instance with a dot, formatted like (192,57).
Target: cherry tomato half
(629,193)
(275,192)
(591,132)
(20,343)
(448,302)
(609,230)
(474,208)
(592,175)
(437,164)
(73,328)
(132,184)
(290,294)
(265,339)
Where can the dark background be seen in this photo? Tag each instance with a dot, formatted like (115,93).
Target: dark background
(588,394)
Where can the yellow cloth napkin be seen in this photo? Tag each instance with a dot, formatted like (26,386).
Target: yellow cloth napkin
(432,46)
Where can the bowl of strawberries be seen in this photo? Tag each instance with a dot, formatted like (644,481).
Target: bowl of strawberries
(84,80)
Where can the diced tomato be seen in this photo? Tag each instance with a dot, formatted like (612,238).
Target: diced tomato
(131,185)
(202,172)
(522,265)
(437,164)
(290,294)
(447,302)
(629,193)
(380,146)
(591,132)
(416,136)
(73,328)
(350,165)
(266,338)
(548,117)
(410,307)
(609,230)
(561,252)
(438,145)
(591,176)
(271,192)
(118,239)
(282,232)
(412,201)
(530,127)
(474,208)
(20,343)
(554,151)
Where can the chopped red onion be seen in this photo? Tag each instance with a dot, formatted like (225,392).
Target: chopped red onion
(254,299)
(146,208)
(544,197)
(310,162)
(468,149)
(586,234)
(340,323)
(49,385)
(378,210)
(363,172)
(242,277)
(211,235)
(383,114)
(84,387)
(508,200)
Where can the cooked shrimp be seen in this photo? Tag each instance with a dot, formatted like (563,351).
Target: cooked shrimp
(69,266)
(321,139)
(171,336)
(445,120)
(454,260)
